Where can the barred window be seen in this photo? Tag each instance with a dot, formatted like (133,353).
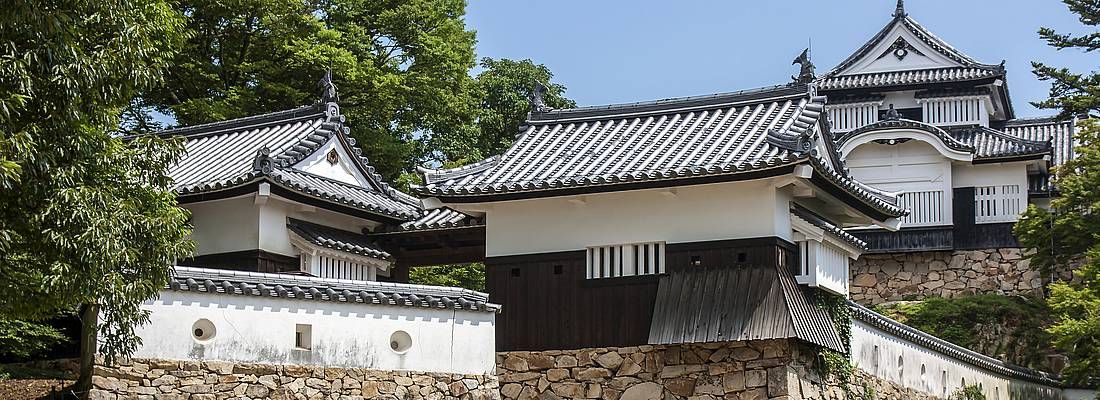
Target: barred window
(626,260)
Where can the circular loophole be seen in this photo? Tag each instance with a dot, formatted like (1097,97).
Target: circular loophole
(203,330)
(400,342)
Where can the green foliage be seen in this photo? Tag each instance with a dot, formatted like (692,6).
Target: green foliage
(989,323)
(830,363)
(503,89)
(402,67)
(1067,234)
(1070,92)
(470,276)
(86,217)
(969,392)
(25,339)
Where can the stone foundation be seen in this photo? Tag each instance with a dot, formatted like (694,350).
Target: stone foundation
(210,380)
(878,278)
(769,369)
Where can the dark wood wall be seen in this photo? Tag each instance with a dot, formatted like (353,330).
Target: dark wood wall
(549,304)
(248,260)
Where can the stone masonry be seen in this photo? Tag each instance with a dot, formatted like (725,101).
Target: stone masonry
(767,369)
(878,278)
(211,380)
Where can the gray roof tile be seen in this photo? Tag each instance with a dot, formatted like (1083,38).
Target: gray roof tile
(948,349)
(241,283)
(726,134)
(222,155)
(337,239)
(1056,130)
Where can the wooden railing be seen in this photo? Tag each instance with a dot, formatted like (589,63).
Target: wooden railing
(1001,203)
(954,111)
(926,208)
(847,117)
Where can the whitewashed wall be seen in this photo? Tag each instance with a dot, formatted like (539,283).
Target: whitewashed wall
(687,214)
(879,353)
(240,224)
(262,330)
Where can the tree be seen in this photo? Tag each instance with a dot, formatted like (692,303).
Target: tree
(469,276)
(401,67)
(87,218)
(1067,234)
(503,89)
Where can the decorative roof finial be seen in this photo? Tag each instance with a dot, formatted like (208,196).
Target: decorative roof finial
(806,73)
(892,114)
(900,10)
(328,88)
(538,104)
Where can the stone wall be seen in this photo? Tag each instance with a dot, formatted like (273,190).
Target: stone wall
(210,380)
(878,278)
(769,369)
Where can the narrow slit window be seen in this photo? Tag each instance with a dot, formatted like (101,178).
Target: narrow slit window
(625,260)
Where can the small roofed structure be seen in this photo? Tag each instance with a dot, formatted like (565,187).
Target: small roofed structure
(690,220)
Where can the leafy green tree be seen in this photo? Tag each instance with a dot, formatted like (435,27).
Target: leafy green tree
(470,276)
(22,340)
(87,218)
(402,67)
(1067,234)
(503,89)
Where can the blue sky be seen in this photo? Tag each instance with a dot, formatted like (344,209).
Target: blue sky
(625,51)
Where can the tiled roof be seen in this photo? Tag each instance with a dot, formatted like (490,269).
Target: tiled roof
(969,69)
(991,145)
(441,218)
(1058,131)
(600,147)
(704,303)
(227,154)
(337,239)
(984,143)
(825,225)
(325,289)
(948,349)
(905,78)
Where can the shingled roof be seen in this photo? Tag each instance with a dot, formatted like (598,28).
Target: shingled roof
(240,152)
(1058,131)
(239,283)
(968,69)
(729,136)
(986,144)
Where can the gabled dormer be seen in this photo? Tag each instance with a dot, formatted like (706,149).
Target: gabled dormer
(923,78)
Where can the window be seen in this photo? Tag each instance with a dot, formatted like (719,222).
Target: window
(1001,203)
(626,260)
(925,207)
(203,330)
(303,336)
(400,342)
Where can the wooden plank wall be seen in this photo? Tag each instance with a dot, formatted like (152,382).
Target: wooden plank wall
(549,304)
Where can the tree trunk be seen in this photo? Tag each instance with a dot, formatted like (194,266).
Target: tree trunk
(89,315)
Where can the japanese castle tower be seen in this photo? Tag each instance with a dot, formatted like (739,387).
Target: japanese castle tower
(679,248)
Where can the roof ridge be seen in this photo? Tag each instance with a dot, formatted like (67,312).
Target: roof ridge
(217,127)
(918,30)
(1025,121)
(944,347)
(740,96)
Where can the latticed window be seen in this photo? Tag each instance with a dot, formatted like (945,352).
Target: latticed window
(626,260)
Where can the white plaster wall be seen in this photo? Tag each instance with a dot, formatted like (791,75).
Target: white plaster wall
(241,224)
(873,63)
(719,211)
(224,225)
(1013,173)
(883,363)
(343,170)
(254,329)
